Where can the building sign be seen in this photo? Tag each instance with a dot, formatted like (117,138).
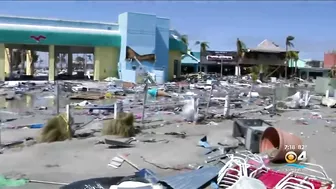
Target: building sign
(215,57)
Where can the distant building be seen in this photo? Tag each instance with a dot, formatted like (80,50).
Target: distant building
(329,59)
(309,68)
(301,63)
(213,61)
(314,63)
(267,53)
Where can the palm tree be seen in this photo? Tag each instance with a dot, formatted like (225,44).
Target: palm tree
(60,59)
(289,45)
(184,39)
(35,58)
(254,72)
(19,56)
(204,46)
(90,58)
(80,59)
(241,49)
(40,62)
(293,56)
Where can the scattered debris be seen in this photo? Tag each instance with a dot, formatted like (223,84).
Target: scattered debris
(57,129)
(122,126)
(202,99)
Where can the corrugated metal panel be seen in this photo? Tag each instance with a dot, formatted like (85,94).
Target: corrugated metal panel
(322,84)
(283,92)
(192,179)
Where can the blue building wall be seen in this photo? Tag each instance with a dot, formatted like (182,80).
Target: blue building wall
(145,34)
(162,49)
(123,27)
(58,23)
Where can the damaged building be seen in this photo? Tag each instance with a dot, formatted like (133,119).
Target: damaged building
(119,49)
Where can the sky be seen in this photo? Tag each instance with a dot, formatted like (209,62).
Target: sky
(218,22)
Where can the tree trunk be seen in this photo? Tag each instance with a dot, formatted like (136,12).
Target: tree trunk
(61,61)
(240,60)
(251,90)
(22,62)
(286,63)
(221,69)
(261,72)
(11,64)
(200,64)
(85,63)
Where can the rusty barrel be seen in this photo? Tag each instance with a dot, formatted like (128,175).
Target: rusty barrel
(279,142)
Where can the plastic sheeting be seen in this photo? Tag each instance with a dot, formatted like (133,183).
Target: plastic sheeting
(94,183)
(4,182)
(248,183)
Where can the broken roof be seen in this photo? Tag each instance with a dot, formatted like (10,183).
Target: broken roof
(189,59)
(268,46)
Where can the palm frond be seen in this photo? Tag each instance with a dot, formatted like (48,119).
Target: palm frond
(89,57)
(254,72)
(292,55)
(184,39)
(289,40)
(241,48)
(290,44)
(204,46)
(35,56)
(61,58)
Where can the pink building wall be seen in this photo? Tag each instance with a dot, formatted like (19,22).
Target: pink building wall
(329,59)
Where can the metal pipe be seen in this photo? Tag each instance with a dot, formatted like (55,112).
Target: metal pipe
(209,100)
(1,125)
(274,101)
(47,182)
(57,98)
(144,101)
(221,67)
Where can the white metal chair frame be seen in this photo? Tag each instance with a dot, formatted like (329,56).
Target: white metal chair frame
(239,166)
(226,179)
(287,181)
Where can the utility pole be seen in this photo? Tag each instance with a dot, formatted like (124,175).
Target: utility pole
(221,62)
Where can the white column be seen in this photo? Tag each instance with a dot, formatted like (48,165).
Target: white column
(237,70)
